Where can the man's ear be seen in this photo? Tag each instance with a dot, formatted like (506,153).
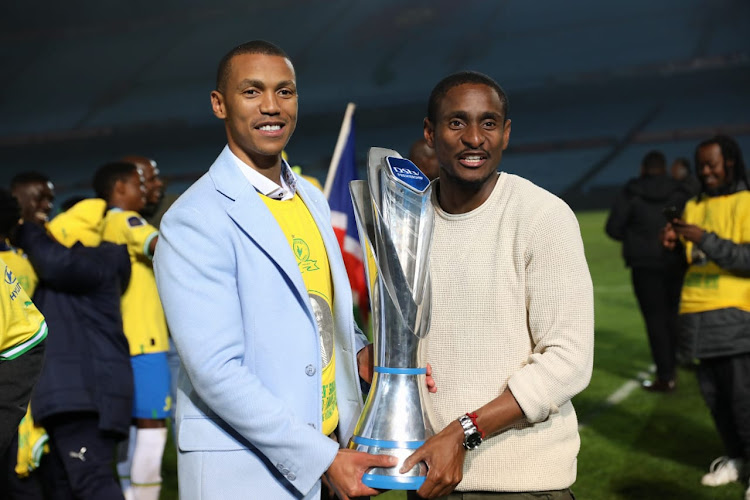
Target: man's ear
(506,134)
(118,188)
(429,133)
(217,104)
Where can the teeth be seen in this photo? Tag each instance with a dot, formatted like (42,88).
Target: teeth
(270,127)
(472,158)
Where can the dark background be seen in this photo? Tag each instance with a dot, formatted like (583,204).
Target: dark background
(593,85)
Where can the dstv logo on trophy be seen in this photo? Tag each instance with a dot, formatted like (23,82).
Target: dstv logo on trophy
(405,172)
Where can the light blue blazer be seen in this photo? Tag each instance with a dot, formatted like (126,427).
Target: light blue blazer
(249,404)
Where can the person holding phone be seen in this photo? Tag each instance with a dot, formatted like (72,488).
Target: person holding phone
(713,235)
(656,273)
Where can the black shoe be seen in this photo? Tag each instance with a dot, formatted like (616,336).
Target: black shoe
(658,385)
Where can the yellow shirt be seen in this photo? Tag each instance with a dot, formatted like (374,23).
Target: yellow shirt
(142,315)
(307,244)
(19,263)
(22,326)
(708,287)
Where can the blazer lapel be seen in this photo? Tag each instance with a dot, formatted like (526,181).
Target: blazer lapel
(254,218)
(342,307)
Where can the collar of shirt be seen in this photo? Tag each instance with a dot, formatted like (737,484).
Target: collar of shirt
(266,186)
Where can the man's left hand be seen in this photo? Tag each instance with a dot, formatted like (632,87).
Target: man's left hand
(365,360)
(444,455)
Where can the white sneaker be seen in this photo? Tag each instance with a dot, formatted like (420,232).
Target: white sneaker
(723,470)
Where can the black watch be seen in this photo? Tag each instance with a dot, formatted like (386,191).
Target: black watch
(472,437)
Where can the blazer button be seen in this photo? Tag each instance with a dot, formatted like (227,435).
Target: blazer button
(310,370)
(291,476)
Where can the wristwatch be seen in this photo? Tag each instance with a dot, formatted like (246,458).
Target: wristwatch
(472,435)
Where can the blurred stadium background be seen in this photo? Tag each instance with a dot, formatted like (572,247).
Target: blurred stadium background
(593,85)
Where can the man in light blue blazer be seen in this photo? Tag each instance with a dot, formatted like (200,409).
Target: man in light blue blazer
(249,408)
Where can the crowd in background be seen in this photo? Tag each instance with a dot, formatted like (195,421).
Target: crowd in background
(104,389)
(686,240)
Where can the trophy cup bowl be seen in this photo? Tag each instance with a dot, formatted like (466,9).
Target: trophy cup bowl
(395,219)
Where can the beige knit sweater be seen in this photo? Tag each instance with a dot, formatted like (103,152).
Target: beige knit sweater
(512,306)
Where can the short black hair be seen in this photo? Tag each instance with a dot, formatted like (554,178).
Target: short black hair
(108,175)
(731,152)
(27,178)
(251,47)
(654,162)
(461,78)
(10,212)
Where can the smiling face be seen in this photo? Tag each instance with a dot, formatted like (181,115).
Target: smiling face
(259,107)
(469,135)
(152,182)
(35,199)
(711,167)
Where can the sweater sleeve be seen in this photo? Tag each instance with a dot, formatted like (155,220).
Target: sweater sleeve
(560,309)
(734,257)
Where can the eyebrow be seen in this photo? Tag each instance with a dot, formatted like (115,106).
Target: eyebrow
(463,115)
(247,82)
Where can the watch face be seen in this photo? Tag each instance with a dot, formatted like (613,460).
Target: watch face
(473,440)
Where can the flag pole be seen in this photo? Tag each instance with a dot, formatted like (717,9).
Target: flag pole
(346,125)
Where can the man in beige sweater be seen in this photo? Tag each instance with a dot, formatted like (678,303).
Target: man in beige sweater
(512,331)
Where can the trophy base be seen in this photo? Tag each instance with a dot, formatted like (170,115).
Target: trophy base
(392,482)
(389,478)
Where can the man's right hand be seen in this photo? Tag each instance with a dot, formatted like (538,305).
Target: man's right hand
(668,236)
(345,473)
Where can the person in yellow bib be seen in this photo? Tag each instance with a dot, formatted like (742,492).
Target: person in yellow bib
(714,231)
(121,185)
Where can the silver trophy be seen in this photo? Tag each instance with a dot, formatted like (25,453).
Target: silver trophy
(395,219)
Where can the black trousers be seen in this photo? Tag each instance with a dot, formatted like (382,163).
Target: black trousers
(658,293)
(81,459)
(13,487)
(725,385)
(17,378)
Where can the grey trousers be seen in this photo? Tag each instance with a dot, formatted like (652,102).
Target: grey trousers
(565,494)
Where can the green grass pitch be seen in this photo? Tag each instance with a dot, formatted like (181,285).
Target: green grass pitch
(646,447)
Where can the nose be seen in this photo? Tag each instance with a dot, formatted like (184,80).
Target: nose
(473,136)
(269,104)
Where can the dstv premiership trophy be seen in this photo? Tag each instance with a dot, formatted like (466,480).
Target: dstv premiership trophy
(395,218)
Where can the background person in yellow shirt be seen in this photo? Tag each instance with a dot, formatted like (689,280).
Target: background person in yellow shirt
(22,334)
(714,231)
(27,446)
(121,185)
